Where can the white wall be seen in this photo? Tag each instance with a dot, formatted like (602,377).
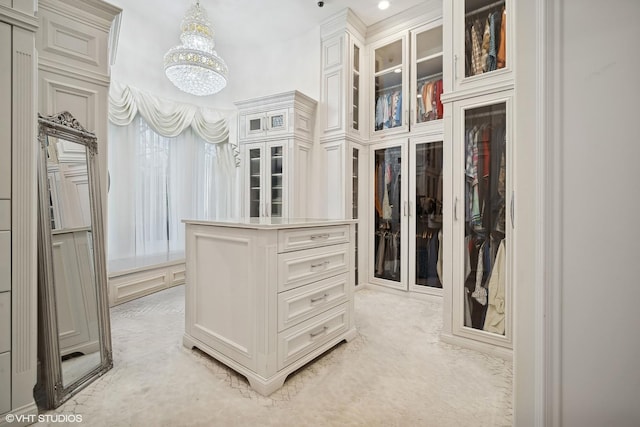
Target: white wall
(601,230)
(597,287)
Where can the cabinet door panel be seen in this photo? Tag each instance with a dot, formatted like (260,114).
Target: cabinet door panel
(483,227)
(255,181)
(426,74)
(483,43)
(5,261)
(254,125)
(5,382)
(5,111)
(5,321)
(425,220)
(276,184)
(388,252)
(389,106)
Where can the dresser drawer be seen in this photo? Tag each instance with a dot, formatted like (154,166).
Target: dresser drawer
(302,267)
(305,337)
(302,303)
(5,321)
(306,238)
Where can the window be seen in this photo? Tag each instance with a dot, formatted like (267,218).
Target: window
(157,181)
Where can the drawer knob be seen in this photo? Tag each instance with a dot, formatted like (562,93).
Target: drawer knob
(319,237)
(316,299)
(318,333)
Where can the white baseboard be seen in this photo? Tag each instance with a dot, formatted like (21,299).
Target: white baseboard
(493,350)
(23,416)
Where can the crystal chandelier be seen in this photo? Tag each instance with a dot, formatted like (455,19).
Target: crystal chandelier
(194,66)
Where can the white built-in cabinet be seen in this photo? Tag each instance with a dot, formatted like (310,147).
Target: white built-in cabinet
(343,128)
(426,190)
(276,136)
(372,105)
(478,102)
(76,43)
(18,255)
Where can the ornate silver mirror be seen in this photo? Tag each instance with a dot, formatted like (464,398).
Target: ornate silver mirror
(75,333)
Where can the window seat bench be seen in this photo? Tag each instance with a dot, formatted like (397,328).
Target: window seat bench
(135,277)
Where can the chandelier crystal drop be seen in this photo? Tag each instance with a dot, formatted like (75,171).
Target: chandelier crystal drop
(194,66)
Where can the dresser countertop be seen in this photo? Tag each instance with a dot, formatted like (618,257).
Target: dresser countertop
(271,223)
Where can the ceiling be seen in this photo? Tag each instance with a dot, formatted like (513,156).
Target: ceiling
(254,22)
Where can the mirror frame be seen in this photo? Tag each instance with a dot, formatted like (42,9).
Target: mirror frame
(65,126)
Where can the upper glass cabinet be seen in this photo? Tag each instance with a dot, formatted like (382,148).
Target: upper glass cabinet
(482,42)
(260,125)
(389,90)
(426,72)
(407,83)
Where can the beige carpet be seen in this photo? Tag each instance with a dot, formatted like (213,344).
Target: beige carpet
(395,373)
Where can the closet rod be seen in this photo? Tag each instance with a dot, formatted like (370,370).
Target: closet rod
(429,77)
(388,88)
(489,113)
(487,7)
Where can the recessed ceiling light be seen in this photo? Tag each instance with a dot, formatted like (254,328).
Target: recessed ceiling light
(383,5)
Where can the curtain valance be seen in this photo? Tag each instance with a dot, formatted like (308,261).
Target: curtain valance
(169,118)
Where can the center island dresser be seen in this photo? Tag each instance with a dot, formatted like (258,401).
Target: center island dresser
(265,296)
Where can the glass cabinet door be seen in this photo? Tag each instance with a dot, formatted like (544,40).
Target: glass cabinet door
(485,211)
(276,156)
(255,181)
(389,78)
(355,170)
(485,36)
(355,95)
(427,168)
(427,72)
(388,221)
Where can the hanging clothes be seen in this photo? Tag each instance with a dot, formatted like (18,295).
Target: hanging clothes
(491,64)
(480,293)
(386,205)
(485,42)
(501,57)
(388,110)
(494,319)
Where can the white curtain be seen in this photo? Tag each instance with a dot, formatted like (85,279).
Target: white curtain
(157,180)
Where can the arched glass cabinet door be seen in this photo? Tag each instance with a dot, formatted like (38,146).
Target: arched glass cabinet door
(74,313)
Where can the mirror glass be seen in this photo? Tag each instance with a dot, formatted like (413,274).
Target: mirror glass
(73,304)
(72,250)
